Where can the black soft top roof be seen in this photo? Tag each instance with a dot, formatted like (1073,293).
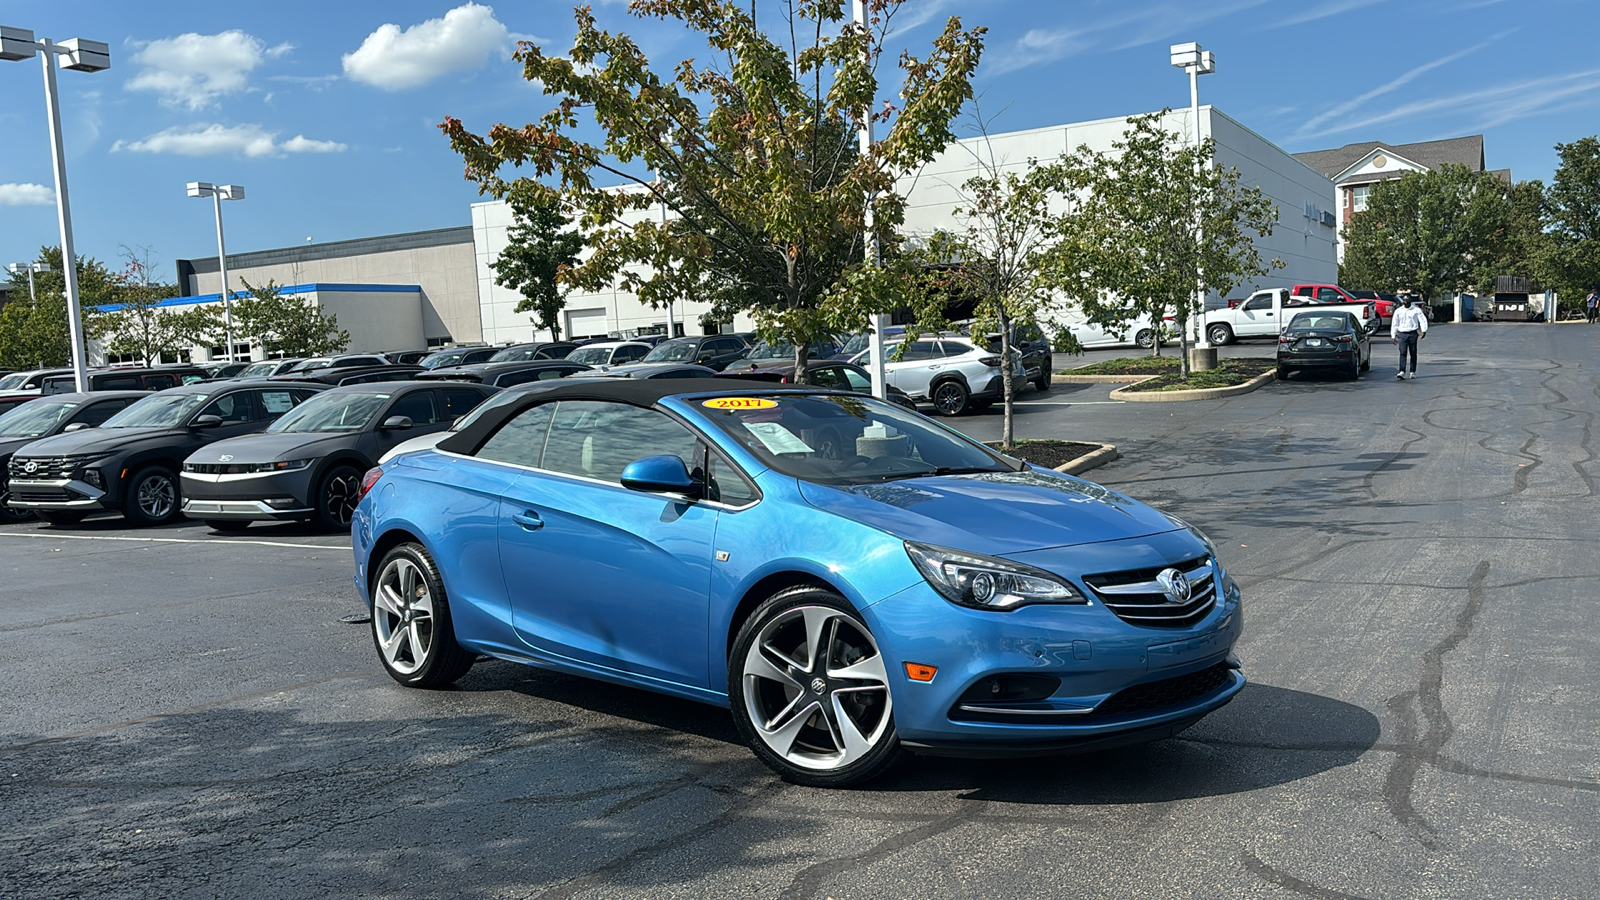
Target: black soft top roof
(635,391)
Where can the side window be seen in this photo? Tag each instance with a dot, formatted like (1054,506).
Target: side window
(457,402)
(1259,301)
(95,414)
(625,354)
(131,383)
(233,409)
(829,377)
(477,356)
(276,403)
(418,406)
(856,381)
(726,484)
(1328,295)
(922,350)
(597,439)
(159,382)
(521,440)
(956,348)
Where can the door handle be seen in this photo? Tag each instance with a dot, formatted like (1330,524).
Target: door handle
(528,519)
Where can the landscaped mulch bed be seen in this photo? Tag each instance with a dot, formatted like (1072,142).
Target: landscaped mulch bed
(1129,365)
(1048,453)
(1228,373)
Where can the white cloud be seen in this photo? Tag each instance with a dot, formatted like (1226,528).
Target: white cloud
(1121,30)
(394,60)
(218,140)
(1334,8)
(1488,107)
(1315,122)
(193,70)
(26,195)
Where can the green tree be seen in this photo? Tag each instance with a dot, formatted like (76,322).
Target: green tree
(1014,234)
(292,325)
(539,248)
(136,323)
(1137,251)
(1446,230)
(1572,264)
(34,333)
(762,190)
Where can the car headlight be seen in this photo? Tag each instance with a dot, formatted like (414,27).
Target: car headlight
(984,582)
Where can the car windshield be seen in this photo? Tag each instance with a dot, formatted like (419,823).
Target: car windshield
(167,410)
(1318,322)
(765,350)
(334,411)
(834,439)
(590,356)
(13,381)
(673,351)
(514,354)
(258,370)
(442,358)
(35,418)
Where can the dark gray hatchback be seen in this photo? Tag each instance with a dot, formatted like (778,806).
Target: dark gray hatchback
(308,464)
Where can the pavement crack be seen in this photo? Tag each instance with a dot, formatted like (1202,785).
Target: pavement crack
(1273,875)
(808,880)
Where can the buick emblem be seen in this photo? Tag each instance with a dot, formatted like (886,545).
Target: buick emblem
(818,685)
(225,457)
(1174,585)
(30,467)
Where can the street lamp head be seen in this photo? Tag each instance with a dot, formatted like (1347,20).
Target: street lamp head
(1208,62)
(1185,55)
(231,191)
(85,55)
(201,188)
(17,43)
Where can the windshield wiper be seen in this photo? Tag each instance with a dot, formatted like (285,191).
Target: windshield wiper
(937,470)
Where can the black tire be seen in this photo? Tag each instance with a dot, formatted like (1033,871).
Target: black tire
(1355,367)
(1366,364)
(152,497)
(1283,373)
(9,516)
(950,398)
(1044,380)
(424,653)
(1220,334)
(764,677)
(337,495)
(1146,338)
(59,518)
(227,524)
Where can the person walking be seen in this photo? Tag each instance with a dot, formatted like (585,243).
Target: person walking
(1406,328)
(1591,305)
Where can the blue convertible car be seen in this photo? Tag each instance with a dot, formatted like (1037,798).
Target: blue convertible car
(851,578)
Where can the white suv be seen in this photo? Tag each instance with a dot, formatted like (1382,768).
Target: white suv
(951,373)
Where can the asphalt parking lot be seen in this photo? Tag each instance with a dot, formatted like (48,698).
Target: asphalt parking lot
(186,715)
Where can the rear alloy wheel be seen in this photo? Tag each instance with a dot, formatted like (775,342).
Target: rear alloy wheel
(411,621)
(1283,373)
(337,498)
(60,519)
(1043,382)
(950,398)
(152,497)
(1220,335)
(810,690)
(227,524)
(1146,338)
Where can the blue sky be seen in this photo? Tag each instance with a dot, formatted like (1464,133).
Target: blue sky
(326,112)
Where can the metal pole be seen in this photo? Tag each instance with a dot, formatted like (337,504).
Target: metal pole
(31,297)
(1200,342)
(875,367)
(222,266)
(672,306)
(69,259)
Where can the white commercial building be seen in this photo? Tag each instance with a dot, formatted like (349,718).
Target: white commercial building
(1304,238)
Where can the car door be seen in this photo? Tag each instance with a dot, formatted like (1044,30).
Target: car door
(597,573)
(1256,316)
(914,371)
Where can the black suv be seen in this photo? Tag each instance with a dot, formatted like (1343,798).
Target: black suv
(46,416)
(127,379)
(506,374)
(1037,359)
(131,462)
(713,351)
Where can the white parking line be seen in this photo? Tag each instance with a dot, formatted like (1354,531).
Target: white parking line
(156,540)
(1074,403)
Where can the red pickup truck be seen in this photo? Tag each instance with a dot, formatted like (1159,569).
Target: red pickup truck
(1332,293)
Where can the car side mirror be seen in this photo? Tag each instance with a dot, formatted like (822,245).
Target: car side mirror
(206,422)
(397,423)
(76,426)
(660,475)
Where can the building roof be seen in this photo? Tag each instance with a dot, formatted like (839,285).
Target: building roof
(413,240)
(1466,151)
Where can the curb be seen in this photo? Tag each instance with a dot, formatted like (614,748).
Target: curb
(1098,379)
(1205,394)
(1095,460)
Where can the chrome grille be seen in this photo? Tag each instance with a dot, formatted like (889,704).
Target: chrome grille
(1139,599)
(49,468)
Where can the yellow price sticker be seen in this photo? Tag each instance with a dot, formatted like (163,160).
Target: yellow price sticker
(739,403)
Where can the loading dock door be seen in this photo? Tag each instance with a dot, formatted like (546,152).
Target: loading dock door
(582,323)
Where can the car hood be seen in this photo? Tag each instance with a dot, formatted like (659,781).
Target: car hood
(995,513)
(258,448)
(97,440)
(11,445)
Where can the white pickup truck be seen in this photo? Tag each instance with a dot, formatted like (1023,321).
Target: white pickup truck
(1267,312)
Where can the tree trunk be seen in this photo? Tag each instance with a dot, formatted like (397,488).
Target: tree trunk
(1183,345)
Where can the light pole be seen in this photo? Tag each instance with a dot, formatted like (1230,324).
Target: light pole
(219,193)
(81,56)
(30,268)
(1196,62)
(672,307)
(875,366)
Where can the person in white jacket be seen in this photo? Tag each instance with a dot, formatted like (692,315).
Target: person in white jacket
(1406,328)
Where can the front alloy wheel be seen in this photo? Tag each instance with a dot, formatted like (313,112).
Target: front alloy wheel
(411,621)
(337,498)
(152,498)
(810,690)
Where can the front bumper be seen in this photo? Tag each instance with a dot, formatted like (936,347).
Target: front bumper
(1114,683)
(280,496)
(57,493)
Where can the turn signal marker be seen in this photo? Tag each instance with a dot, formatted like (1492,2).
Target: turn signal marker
(920,672)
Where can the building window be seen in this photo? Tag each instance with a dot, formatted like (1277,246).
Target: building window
(113,359)
(1358,197)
